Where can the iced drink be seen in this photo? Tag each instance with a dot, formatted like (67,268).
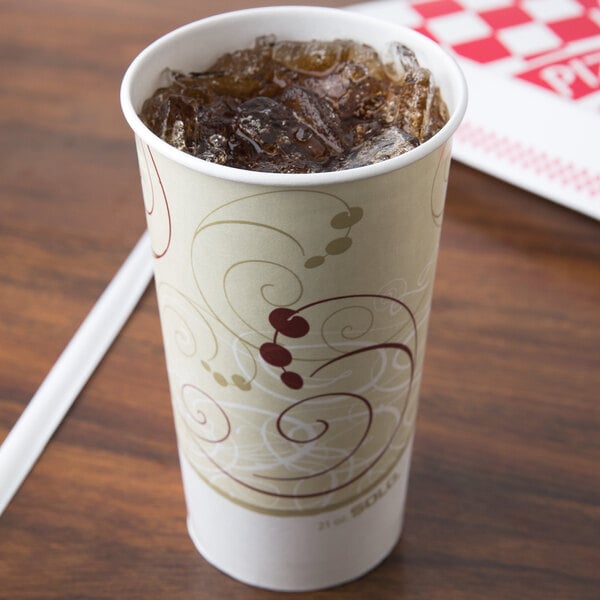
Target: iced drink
(295,227)
(299,107)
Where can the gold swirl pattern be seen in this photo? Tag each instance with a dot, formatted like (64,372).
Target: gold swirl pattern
(192,334)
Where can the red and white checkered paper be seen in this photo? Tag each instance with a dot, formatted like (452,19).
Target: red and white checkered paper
(533,71)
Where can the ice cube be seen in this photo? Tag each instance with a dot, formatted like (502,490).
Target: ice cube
(271,137)
(400,61)
(389,143)
(315,58)
(318,115)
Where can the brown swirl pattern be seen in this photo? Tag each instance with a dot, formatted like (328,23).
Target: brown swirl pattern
(328,381)
(158,213)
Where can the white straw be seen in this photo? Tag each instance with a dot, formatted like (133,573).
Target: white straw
(28,438)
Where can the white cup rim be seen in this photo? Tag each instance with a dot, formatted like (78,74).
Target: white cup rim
(411,38)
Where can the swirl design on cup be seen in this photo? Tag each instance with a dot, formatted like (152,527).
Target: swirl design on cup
(324,443)
(158,213)
(294,430)
(290,323)
(329,381)
(195,336)
(438,189)
(203,416)
(255,275)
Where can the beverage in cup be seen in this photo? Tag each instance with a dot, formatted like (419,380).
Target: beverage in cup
(294,285)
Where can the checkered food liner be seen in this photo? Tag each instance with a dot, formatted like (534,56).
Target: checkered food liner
(533,71)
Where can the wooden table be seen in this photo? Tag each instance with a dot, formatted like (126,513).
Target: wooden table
(504,499)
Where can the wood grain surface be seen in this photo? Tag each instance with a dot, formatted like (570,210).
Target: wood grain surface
(504,498)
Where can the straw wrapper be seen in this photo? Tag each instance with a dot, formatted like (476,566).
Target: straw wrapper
(28,438)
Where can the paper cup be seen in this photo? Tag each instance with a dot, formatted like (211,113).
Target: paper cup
(294,312)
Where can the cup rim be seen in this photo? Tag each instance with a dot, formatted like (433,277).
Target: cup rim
(406,35)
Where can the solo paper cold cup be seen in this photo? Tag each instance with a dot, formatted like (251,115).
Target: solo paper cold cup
(294,313)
